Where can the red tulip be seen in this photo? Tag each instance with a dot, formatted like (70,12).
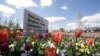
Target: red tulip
(50,52)
(4,36)
(18,37)
(83,34)
(90,41)
(56,37)
(78,33)
(36,35)
(19,32)
(11,32)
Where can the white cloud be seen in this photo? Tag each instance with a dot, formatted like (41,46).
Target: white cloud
(92,21)
(71,26)
(21,3)
(64,7)
(46,3)
(6,10)
(95,18)
(54,19)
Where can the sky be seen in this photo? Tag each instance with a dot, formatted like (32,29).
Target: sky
(59,13)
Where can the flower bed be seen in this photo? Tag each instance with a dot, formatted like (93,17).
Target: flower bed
(13,43)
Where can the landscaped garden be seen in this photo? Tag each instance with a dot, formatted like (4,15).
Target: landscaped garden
(14,43)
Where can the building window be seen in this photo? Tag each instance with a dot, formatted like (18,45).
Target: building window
(34,26)
(33,17)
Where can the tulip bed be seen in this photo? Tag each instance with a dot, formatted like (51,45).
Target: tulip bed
(14,43)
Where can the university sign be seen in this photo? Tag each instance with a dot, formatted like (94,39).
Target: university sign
(34,22)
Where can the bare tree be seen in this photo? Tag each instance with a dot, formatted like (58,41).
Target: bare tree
(4,22)
(79,22)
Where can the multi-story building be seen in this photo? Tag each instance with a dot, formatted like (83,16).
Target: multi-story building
(95,29)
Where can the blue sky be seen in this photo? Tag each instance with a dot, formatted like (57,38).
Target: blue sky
(59,13)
